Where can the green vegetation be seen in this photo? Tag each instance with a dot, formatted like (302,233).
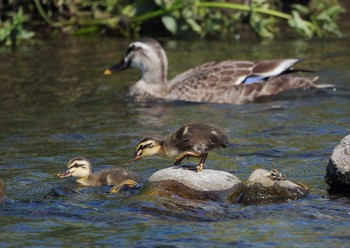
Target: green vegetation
(186,18)
(12,28)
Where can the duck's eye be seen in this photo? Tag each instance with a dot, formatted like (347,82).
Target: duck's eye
(76,165)
(142,147)
(130,49)
(133,48)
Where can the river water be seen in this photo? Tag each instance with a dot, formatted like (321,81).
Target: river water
(56,104)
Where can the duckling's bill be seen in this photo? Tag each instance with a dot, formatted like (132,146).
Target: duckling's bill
(134,158)
(64,174)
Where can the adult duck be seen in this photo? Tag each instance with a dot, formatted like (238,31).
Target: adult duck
(227,81)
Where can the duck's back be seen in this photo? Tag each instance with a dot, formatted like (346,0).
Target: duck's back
(236,82)
(114,176)
(199,138)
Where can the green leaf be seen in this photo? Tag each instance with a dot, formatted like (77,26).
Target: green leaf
(298,23)
(170,23)
(194,25)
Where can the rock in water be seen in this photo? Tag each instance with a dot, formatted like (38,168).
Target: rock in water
(271,186)
(338,168)
(206,185)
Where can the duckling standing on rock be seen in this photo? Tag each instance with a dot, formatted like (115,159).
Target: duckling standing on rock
(192,140)
(228,81)
(81,168)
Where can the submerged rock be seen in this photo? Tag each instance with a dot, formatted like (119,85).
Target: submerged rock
(271,186)
(338,168)
(206,185)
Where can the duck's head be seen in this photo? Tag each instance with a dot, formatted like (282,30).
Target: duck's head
(146,147)
(147,55)
(77,167)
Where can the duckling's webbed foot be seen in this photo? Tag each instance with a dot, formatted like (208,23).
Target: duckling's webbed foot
(129,183)
(201,164)
(192,167)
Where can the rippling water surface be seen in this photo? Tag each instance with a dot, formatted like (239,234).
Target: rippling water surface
(56,103)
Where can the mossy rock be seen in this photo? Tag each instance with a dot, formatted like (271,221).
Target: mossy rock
(262,188)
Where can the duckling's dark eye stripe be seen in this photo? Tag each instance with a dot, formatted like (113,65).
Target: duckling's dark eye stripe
(76,165)
(141,147)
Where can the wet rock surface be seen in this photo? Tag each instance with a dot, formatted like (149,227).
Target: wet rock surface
(338,168)
(207,185)
(271,186)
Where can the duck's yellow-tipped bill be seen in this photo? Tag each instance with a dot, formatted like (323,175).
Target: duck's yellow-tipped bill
(107,72)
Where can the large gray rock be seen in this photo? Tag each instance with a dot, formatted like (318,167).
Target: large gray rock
(338,168)
(264,187)
(206,185)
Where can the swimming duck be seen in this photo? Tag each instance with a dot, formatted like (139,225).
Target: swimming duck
(192,140)
(81,168)
(228,81)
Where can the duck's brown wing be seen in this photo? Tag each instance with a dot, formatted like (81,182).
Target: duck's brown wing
(229,72)
(238,82)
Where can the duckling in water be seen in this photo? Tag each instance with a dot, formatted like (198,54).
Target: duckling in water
(81,168)
(192,140)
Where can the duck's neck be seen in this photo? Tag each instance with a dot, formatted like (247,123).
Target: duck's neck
(84,181)
(143,87)
(154,75)
(169,148)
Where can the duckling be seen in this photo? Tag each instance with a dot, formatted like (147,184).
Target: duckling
(192,140)
(81,168)
(234,82)
(277,175)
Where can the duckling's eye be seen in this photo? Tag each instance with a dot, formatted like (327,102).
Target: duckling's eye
(142,147)
(75,165)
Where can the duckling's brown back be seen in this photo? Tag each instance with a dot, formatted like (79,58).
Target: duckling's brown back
(115,176)
(200,137)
